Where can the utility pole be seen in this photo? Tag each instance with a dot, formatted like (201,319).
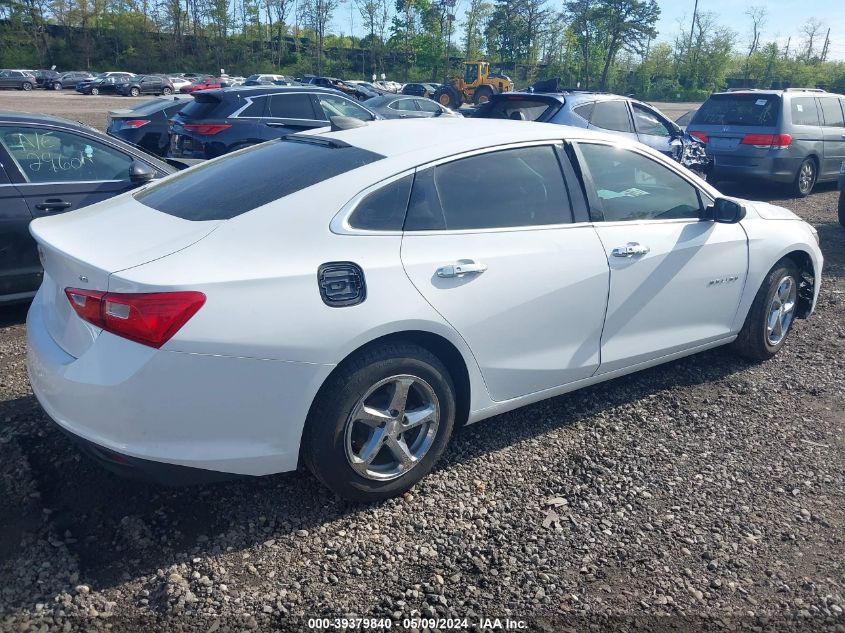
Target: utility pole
(692,26)
(786,50)
(826,44)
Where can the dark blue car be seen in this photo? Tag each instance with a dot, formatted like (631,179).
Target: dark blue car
(600,111)
(221,121)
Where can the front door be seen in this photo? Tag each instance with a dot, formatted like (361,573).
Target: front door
(490,243)
(58,170)
(675,280)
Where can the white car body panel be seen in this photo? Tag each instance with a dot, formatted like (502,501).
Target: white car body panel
(230,392)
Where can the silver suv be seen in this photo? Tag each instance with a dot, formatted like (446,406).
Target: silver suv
(794,136)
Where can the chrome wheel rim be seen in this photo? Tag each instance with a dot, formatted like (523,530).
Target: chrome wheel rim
(781,311)
(392,427)
(806,177)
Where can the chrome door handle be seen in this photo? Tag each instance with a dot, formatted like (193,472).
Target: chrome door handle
(631,249)
(460,268)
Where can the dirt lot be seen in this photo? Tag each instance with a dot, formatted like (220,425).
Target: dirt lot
(707,494)
(68,104)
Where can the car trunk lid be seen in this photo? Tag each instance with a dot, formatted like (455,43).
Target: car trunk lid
(83,248)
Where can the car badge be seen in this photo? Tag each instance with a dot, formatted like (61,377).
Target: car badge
(83,279)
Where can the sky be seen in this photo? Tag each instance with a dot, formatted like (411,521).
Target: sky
(784,19)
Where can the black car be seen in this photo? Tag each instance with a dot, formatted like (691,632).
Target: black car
(146,125)
(68,80)
(418,90)
(117,78)
(43,78)
(18,79)
(50,165)
(227,119)
(100,86)
(145,85)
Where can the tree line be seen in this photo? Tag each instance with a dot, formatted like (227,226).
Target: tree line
(596,44)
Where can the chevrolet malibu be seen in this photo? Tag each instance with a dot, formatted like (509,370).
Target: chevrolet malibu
(345,299)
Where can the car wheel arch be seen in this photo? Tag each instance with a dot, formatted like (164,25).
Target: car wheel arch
(804,262)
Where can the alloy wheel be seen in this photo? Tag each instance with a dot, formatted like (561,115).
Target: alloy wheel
(807,177)
(392,427)
(781,311)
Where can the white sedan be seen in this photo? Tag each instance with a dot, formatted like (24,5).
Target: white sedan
(345,299)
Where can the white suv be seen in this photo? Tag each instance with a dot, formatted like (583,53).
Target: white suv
(346,299)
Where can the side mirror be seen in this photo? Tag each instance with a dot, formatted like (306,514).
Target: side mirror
(140,173)
(724,211)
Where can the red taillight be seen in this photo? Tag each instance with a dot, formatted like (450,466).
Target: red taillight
(206,129)
(776,141)
(147,318)
(135,123)
(700,136)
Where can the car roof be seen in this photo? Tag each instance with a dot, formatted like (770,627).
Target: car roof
(275,89)
(432,138)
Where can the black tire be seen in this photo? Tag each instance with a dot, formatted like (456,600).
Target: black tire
(57,86)
(482,94)
(753,341)
(134,92)
(803,185)
(26,86)
(448,96)
(324,439)
(842,208)
(95,91)
(166,91)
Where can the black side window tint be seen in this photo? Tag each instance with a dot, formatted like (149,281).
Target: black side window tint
(383,209)
(509,188)
(255,109)
(611,115)
(584,111)
(804,111)
(832,112)
(631,186)
(295,106)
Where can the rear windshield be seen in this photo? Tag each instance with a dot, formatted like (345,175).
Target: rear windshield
(520,109)
(202,107)
(240,182)
(746,109)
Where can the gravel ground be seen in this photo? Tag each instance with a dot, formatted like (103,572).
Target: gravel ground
(710,490)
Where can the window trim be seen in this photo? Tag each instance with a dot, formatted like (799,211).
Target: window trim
(594,204)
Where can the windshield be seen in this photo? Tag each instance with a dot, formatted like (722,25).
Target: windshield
(746,109)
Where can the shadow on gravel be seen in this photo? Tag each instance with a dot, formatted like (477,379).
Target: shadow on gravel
(13,315)
(119,529)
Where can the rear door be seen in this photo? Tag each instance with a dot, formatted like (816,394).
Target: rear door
(20,271)
(833,131)
(57,170)
(612,116)
(491,243)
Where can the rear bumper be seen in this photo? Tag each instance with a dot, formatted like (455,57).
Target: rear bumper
(224,414)
(772,168)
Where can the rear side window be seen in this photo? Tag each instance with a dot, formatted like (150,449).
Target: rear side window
(509,188)
(202,107)
(292,106)
(804,111)
(611,115)
(584,111)
(255,109)
(518,109)
(237,183)
(383,209)
(746,109)
(832,112)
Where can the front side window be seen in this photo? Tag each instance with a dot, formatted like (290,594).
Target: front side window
(611,115)
(649,123)
(45,155)
(338,106)
(804,111)
(631,186)
(508,188)
(427,106)
(832,112)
